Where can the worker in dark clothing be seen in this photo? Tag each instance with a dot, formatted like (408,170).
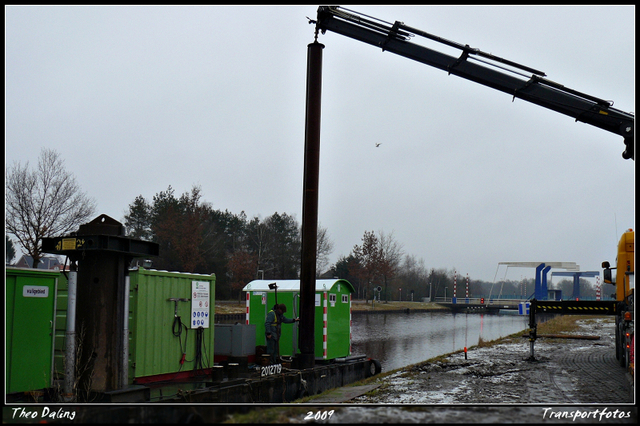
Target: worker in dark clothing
(272,330)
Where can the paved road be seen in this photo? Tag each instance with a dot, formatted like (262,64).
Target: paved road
(601,377)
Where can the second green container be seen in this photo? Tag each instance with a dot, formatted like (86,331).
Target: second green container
(171,325)
(332,324)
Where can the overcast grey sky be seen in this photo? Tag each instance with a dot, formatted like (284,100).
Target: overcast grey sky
(137,98)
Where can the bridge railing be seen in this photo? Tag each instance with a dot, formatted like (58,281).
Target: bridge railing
(479,300)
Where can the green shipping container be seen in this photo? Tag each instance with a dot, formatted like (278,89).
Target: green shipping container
(332,328)
(166,310)
(158,338)
(30,298)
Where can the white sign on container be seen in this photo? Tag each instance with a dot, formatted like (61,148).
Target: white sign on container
(200,304)
(35,291)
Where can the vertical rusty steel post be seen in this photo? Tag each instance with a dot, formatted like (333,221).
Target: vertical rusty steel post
(310,206)
(102,253)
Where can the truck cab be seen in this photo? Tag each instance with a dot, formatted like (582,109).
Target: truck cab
(625,283)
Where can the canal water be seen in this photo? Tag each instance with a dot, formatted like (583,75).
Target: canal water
(401,339)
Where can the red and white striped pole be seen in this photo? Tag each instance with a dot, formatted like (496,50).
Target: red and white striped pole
(324,326)
(247,315)
(455,277)
(597,288)
(467,291)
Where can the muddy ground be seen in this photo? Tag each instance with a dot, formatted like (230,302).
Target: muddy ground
(565,371)
(570,381)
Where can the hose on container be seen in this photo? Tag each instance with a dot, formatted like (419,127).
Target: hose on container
(177,328)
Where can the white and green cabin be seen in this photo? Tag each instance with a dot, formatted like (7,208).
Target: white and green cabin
(332,330)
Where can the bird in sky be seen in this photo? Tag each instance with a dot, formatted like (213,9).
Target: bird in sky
(378,144)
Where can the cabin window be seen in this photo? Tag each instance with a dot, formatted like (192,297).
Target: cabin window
(345,298)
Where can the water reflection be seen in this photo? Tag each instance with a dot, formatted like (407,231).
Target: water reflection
(398,340)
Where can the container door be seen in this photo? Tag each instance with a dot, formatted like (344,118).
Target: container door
(31,346)
(321,325)
(258,313)
(286,345)
(339,323)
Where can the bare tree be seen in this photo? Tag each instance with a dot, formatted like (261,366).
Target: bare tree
(324,247)
(260,244)
(10,252)
(414,276)
(242,269)
(45,202)
(390,258)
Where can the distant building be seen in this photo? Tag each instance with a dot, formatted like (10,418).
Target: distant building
(47,262)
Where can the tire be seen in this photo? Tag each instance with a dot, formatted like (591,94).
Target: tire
(624,357)
(374,368)
(624,362)
(622,346)
(617,342)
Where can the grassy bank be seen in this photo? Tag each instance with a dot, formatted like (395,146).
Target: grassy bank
(361,305)
(234,307)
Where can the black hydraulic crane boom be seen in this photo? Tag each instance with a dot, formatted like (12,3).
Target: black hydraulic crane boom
(517,80)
